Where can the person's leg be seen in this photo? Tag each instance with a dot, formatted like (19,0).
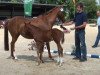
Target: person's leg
(83,45)
(77,44)
(97,39)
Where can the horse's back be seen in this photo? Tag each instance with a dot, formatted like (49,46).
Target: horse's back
(16,24)
(18,20)
(41,22)
(57,31)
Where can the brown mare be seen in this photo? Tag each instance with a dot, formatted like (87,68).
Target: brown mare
(45,22)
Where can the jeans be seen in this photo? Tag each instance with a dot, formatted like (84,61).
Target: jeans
(80,51)
(98,37)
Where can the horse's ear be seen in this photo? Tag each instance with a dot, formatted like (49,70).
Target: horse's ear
(61,6)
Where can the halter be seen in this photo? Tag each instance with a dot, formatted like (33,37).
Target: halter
(61,9)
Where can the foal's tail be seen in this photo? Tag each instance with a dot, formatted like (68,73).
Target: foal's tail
(6,38)
(62,39)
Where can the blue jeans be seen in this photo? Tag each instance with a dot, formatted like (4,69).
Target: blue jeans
(80,51)
(98,37)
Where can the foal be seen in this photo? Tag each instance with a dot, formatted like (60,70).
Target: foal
(41,36)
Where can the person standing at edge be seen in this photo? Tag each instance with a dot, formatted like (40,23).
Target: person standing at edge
(80,21)
(98,35)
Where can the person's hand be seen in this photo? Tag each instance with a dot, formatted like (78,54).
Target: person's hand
(66,31)
(72,28)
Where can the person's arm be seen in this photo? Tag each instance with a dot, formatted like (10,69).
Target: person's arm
(83,25)
(79,27)
(68,23)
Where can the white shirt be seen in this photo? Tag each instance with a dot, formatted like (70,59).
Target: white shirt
(98,21)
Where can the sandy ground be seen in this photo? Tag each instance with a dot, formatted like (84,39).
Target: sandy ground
(26,65)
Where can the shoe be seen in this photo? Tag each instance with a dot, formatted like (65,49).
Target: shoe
(75,58)
(94,46)
(83,60)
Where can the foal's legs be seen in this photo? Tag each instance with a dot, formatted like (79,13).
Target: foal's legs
(60,52)
(48,47)
(14,39)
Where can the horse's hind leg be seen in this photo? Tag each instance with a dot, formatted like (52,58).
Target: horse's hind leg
(60,53)
(14,39)
(48,47)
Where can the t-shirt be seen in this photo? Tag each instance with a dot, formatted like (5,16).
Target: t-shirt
(98,21)
(79,19)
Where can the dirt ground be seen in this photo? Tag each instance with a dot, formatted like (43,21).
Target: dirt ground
(27,65)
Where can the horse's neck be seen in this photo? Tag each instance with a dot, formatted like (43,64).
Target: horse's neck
(51,17)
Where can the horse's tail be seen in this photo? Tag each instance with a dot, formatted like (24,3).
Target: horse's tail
(6,38)
(63,39)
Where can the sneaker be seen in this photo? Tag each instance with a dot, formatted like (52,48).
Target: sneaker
(83,60)
(94,46)
(75,58)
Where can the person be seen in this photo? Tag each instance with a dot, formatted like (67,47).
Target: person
(80,20)
(98,35)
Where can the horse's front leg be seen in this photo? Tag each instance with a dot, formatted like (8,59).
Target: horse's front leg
(41,56)
(40,46)
(38,57)
(49,53)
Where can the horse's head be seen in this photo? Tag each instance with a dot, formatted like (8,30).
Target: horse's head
(56,12)
(60,14)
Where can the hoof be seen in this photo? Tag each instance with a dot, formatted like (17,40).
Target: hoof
(58,63)
(51,59)
(37,64)
(42,61)
(10,57)
(16,58)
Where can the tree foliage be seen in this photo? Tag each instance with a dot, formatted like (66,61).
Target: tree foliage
(90,6)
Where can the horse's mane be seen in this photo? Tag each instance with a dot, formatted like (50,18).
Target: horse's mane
(49,11)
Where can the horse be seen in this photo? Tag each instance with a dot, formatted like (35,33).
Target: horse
(44,22)
(41,36)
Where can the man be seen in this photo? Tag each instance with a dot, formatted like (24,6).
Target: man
(98,35)
(80,24)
